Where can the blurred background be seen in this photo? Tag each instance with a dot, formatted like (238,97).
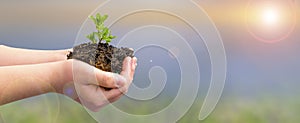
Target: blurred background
(261,39)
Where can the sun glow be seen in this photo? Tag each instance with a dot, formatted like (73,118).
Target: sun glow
(270,21)
(270,16)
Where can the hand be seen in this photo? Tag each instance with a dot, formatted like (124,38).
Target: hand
(32,72)
(90,83)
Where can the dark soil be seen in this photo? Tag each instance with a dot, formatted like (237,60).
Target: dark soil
(103,56)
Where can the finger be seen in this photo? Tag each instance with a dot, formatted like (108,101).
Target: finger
(124,89)
(133,66)
(109,80)
(115,99)
(112,94)
(126,68)
(110,97)
(89,75)
(90,97)
(94,97)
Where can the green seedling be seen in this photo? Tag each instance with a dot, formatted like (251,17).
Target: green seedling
(103,33)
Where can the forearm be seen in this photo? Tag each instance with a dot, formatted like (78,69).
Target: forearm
(17,56)
(19,82)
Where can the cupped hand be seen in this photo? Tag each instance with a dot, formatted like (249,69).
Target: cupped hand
(91,83)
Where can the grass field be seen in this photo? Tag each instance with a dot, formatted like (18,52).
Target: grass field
(58,109)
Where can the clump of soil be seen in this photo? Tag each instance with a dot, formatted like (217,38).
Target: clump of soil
(102,55)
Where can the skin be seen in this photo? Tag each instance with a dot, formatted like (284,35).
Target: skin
(34,72)
(16,56)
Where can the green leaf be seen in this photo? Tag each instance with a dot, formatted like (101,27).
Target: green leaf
(104,18)
(98,18)
(108,40)
(92,37)
(94,19)
(112,37)
(103,32)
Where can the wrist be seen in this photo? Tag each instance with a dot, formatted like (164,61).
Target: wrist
(62,75)
(66,86)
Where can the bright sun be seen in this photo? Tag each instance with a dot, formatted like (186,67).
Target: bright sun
(270,16)
(270,20)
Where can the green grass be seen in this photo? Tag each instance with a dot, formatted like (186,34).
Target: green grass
(63,110)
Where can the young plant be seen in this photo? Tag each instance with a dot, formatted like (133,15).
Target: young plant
(103,33)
